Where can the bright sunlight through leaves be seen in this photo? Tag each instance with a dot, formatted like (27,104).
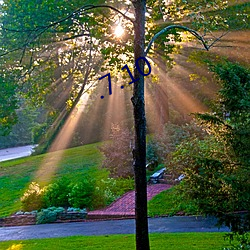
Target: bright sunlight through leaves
(119,31)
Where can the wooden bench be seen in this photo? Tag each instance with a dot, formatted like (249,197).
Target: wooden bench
(155,177)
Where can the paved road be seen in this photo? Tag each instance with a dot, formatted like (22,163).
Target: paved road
(156,225)
(14,153)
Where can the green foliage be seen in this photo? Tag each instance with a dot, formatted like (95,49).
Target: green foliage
(91,193)
(22,132)
(8,105)
(216,168)
(205,175)
(243,242)
(81,194)
(118,153)
(32,198)
(48,215)
(103,193)
(151,154)
(108,190)
(236,16)
(57,193)
(38,132)
(50,40)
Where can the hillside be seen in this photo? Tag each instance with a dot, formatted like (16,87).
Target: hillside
(73,164)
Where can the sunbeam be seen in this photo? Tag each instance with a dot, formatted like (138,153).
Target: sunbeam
(51,161)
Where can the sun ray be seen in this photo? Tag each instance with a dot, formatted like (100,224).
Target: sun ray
(51,162)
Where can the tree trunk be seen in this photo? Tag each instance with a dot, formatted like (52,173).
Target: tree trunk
(139,151)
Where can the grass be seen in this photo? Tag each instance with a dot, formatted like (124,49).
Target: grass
(16,175)
(170,241)
(169,203)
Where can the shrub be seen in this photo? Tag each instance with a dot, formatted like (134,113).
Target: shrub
(73,209)
(103,194)
(38,131)
(48,215)
(81,194)
(152,156)
(57,193)
(33,197)
(243,242)
(109,189)
(123,185)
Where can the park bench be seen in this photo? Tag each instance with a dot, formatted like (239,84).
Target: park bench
(155,177)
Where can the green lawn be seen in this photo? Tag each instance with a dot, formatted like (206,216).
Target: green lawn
(172,241)
(169,202)
(16,175)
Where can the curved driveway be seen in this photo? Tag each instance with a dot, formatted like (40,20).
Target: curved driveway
(156,225)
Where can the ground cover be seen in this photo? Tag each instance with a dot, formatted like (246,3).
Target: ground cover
(170,241)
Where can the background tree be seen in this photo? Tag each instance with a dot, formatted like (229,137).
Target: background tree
(8,105)
(118,155)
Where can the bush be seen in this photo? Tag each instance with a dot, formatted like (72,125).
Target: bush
(109,189)
(57,193)
(81,194)
(152,155)
(243,242)
(38,131)
(103,194)
(123,185)
(48,215)
(33,197)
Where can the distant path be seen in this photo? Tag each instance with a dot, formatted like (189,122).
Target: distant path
(14,153)
(156,225)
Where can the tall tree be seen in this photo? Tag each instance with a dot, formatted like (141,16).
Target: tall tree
(139,151)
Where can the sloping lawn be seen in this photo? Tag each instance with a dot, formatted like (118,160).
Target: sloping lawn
(169,202)
(16,175)
(173,241)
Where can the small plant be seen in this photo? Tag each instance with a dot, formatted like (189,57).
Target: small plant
(76,210)
(243,241)
(33,197)
(109,189)
(48,215)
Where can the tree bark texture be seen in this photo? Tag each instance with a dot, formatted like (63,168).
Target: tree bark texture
(139,151)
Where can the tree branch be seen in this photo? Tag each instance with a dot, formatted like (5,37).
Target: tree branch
(42,29)
(193,32)
(112,8)
(74,13)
